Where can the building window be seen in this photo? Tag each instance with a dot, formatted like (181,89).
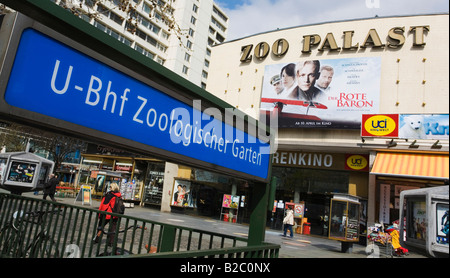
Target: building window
(220,26)
(106,12)
(144,51)
(160,61)
(221,15)
(146,8)
(195,8)
(193,20)
(165,36)
(191,32)
(144,22)
(185,70)
(187,57)
(189,44)
(112,33)
(220,38)
(150,40)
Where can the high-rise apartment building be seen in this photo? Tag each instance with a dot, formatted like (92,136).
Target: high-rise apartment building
(181,42)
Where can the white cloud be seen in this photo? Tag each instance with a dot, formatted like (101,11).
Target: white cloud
(256,16)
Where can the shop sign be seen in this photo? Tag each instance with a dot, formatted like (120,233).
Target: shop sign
(357,162)
(302,159)
(396,39)
(123,168)
(299,209)
(326,161)
(385,197)
(380,125)
(53,80)
(406,126)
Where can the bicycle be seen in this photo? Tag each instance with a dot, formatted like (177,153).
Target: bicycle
(13,236)
(118,251)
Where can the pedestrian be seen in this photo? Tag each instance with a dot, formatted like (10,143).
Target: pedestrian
(288,221)
(50,187)
(107,204)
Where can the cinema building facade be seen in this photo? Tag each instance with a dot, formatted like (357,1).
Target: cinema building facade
(372,121)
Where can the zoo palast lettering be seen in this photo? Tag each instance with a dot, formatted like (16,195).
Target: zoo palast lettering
(395,39)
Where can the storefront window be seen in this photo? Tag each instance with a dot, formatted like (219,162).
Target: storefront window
(154,183)
(313,187)
(417,228)
(293,180)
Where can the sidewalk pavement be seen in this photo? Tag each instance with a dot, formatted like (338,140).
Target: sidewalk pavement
(301,246)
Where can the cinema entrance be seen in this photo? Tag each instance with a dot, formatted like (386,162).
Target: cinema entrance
(313,178)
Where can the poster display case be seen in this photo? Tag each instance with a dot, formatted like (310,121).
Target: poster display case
(344,220)
(182,195)
(23,171)
(230,208)
(426,224)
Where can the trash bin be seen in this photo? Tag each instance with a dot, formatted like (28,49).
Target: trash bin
(225,217)
(306,228)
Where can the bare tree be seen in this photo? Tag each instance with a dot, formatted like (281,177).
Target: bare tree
(15,137)
(11,138)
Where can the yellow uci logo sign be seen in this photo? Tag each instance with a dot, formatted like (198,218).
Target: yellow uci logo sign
(357,162)
(380,125)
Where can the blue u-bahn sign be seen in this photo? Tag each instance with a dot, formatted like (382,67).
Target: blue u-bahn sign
(54,79)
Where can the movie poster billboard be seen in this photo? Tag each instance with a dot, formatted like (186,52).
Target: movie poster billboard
(182,195)
(442,233)
(332,93)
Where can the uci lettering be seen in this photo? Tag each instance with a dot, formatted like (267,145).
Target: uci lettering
(380,124)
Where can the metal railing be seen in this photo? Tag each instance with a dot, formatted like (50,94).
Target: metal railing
(34,228)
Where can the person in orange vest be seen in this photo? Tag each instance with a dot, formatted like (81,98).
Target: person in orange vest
(107,204)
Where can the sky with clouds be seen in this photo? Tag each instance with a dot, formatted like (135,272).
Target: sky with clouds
(249,17)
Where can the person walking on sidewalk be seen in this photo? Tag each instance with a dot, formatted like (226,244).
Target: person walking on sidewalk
(288,222)
(108,204)
(50,187)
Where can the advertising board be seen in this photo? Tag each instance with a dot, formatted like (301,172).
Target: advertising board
(51,78)
(406,126)
(332,93)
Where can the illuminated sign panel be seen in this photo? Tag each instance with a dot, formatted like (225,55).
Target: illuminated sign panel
(406,126)
(56,80)
(357,162)
(380,126)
